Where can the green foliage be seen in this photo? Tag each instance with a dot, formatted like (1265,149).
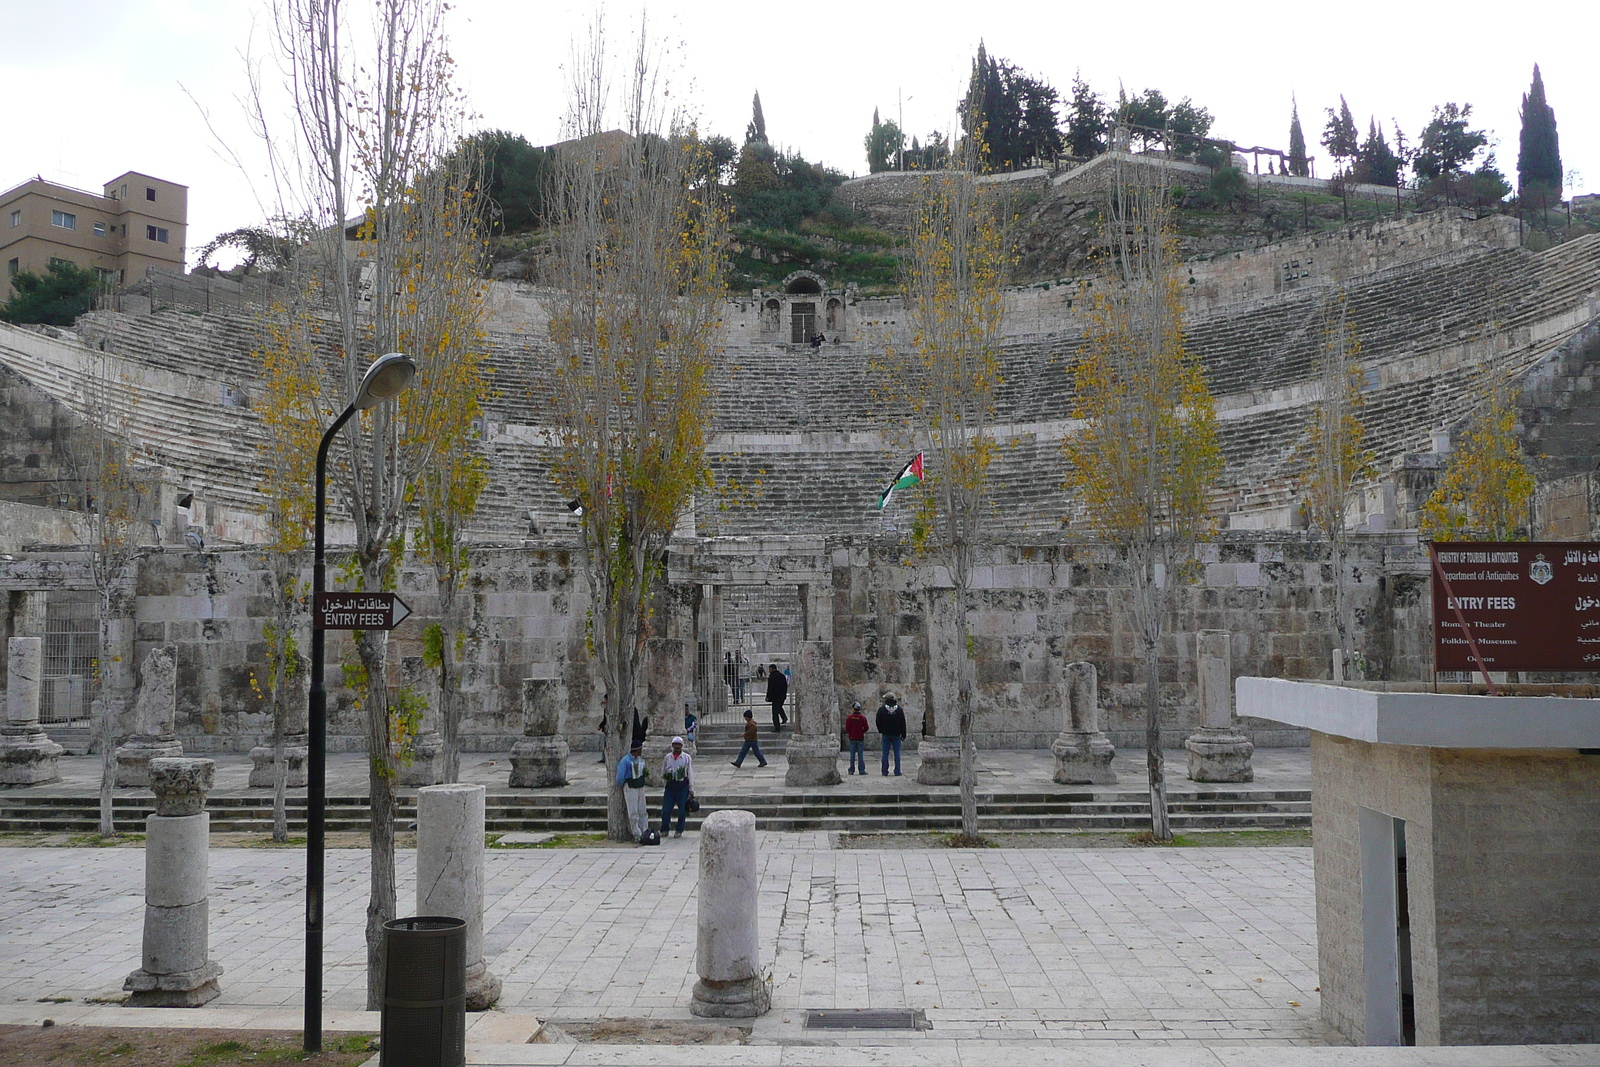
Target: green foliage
(756,132)
(1009,115)
(884,143)
(1087,121)
(1376,162)
(722,155)
(935,155)
(263,249)
(1182,127)
(55,298)
(1229,189)
(1299,163)
(1539,151)
(1339,135)
(515,176)
(775,191)
(1447,146)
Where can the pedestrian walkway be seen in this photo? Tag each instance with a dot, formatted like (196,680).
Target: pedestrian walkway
(1016,956)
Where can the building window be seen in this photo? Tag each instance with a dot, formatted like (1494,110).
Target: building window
(122,193)
(156,233)
(12,267)
(57,261)
(99,229)
(149,193)
(16,218)
(65,219)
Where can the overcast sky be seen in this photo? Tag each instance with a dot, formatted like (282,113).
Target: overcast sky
(97,87)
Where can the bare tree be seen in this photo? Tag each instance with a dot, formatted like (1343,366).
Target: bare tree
(1147,455)
(953,279)
(1334,464)
(636,261)
(377,120)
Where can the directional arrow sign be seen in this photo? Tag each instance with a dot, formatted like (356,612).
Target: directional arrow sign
(358,611)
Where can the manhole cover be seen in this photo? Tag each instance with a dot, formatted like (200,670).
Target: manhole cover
(862,1019)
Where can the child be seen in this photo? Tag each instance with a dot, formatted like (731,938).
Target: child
(855,727)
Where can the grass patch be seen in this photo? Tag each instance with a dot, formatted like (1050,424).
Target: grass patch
(95,840)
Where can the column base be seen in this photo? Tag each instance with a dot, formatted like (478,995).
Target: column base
(29,759)
(483,988)
(182,989)
(1083,758)
(743,998)
(1220,756)
(539,762)
(133,759)
(940,761)
(264,775)
(427,762)
(812,761)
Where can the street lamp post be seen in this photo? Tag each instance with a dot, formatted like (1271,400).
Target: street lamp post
(388,377)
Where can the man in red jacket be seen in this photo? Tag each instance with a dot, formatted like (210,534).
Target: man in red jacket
(855,728)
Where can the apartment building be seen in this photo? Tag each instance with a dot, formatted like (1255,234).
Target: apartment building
(137,222)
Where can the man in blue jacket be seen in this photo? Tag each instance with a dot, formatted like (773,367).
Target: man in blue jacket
(631,775)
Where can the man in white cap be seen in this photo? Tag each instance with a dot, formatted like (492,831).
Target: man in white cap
(678,772)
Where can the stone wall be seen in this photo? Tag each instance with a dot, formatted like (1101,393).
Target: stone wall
(525,612)
(1501,954)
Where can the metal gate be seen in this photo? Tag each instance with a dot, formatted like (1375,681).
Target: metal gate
(71,649)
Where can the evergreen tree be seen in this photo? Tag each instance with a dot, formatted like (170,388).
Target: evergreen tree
(1299,164)
(55,298)
(884,144)
(757,130)
(1011,114)
(1539,157)
(1376,163)
(1086,121)
(1339,135)
(1446,145)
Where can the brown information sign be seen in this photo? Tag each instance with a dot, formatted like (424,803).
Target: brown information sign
(1528,605)
(358,611)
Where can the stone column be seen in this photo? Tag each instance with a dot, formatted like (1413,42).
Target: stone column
(264,775)
(1083,754)
(450,874)
(727,947)
(1218,752)
(177,970)
(426,766)
(27,756)
(539,760)
(155,712)
(667,691)
(813,749)
(939,756)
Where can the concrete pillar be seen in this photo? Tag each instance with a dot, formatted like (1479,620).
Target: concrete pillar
(727,943)
(177,970)
(539,760)
(939,756)
(1083,754)
(32,615)
(812,753)
(1218,752)
(263,773)
(27,755)
(450,874)
(668,687)
(155,712)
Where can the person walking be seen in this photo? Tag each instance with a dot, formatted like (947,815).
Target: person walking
(750,742)
(632,775)
(855,728)
(730,676)
(677,770)
(777,690)
(892,725)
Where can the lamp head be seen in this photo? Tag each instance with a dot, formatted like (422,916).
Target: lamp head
(388,377)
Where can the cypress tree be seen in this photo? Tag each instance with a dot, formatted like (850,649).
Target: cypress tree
(1299,165)
(1539,158)
(1339,136)
(757,130)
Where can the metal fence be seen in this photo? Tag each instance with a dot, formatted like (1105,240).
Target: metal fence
(71,649)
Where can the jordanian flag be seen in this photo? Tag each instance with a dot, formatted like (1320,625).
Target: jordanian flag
(910,474)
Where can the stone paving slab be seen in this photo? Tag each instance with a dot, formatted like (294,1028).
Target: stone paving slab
(1000,770)
(1166,945)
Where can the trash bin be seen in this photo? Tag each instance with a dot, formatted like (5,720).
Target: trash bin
(424,992)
